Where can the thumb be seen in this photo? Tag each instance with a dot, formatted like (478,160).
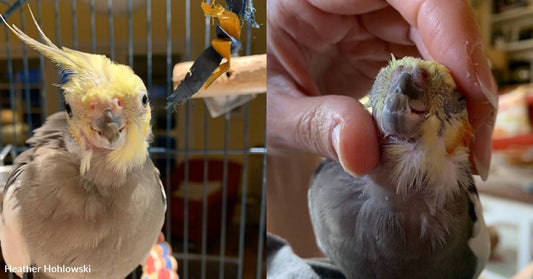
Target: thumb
(337,127)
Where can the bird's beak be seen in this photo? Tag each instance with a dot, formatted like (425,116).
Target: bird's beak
(405,107)
(109,125)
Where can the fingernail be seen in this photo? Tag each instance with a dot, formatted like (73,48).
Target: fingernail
(482,150)
(335,141)
(484,76)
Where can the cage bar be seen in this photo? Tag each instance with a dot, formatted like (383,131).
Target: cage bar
(58,43)
(130,33)
(93,26)
(224,198)
(244,191)
(149,46)
(111,29)
(44,110)
(262,221)
(168,116)
(187,134)
(11,81)
(74,25)
(25,77)
(203,264)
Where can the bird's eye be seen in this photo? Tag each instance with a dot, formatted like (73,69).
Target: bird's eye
(462,99)
(68,110)
(145,100)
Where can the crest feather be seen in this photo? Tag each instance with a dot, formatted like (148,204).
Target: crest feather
(69,60)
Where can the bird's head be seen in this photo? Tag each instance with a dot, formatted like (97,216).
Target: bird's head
(108,111)
(102,111)
(106,103)
(414,100)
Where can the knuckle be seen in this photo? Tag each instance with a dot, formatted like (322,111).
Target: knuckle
(313,131)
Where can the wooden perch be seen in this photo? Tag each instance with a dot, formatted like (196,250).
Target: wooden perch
(247,75)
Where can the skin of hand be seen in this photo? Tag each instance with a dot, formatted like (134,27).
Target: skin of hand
(324,54)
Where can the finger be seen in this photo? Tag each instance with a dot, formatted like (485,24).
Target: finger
(388,25)
(353,7)
(450,34)
(375,49)
(482,117)
(365,59)
(352,79)
(285,54)
(415,37)
(310,26)
(337,127)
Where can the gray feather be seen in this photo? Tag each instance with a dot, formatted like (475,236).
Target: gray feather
(370,232)
(103,219)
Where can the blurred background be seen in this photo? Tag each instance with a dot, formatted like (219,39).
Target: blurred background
(507,195)
(212,168)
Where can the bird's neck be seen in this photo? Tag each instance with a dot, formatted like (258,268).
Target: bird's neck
(129,157)
(111,168)
(421,168)
(97,173)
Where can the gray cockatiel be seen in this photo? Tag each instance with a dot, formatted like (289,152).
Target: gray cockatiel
(85,195)
(417,214)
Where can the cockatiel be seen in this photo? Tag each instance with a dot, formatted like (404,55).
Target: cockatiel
(417,214)
(86,193)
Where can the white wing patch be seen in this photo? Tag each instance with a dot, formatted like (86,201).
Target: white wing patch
(85,164)
(14,248)
(480,241)
(163,192)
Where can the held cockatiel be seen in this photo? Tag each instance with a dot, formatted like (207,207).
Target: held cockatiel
(417,214)
(86,193)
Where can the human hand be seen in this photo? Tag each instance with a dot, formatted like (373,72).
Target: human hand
(324,54)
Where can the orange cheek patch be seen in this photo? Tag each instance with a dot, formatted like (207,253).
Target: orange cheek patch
(462,136)
(75,135)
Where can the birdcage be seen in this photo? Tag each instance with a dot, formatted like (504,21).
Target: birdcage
(213,169)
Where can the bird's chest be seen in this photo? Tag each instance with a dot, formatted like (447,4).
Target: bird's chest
(413,228)
(402,239)
(79,223)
